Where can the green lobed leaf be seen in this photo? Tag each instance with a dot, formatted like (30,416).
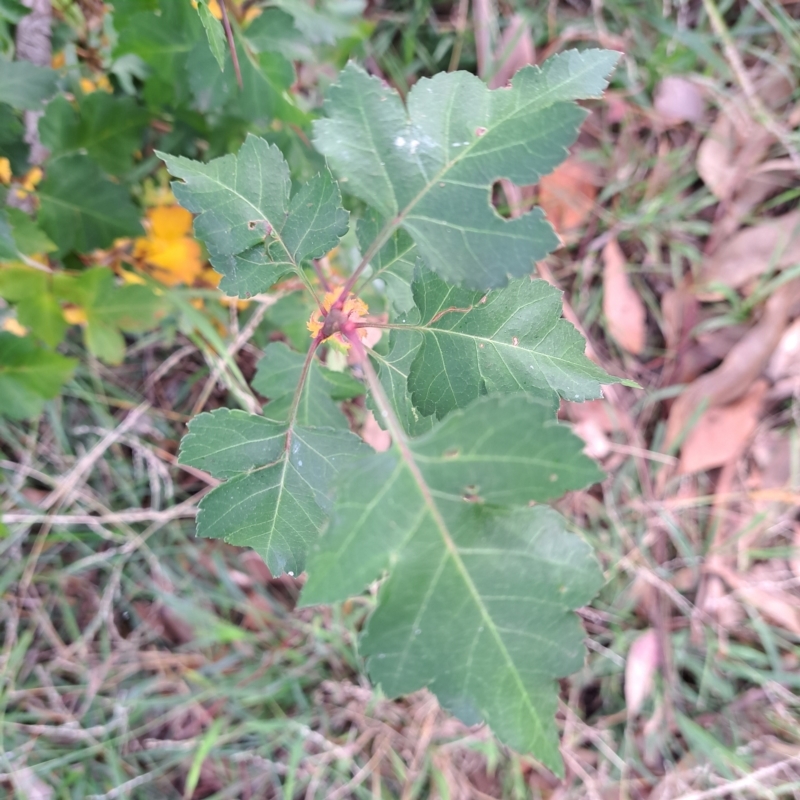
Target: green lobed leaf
(162,37)
(448,515)
(29,375)
(28,237)
(274,30)
(277,377)
(499,342)
(273,500)
(108,128)
(8,245)
(212,89)
(37,307)
(214,32)
(253,232)
(12,143)
(111,309)
(81,209)
(24,85)
(430,167)
(266,77)
(325,21)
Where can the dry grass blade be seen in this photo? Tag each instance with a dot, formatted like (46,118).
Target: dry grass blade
(622,305)
(772,245)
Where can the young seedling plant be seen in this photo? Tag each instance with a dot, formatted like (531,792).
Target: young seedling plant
(480,578)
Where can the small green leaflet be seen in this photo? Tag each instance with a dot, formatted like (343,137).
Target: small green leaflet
(448,515)
(214,32)
(110,309)
(272,500)
(162,37)
(28,238)
(24,85)
(503,341)
(29,375)
(324,21)
(253,232)
(430,167)
(37,307)
(81,209)
(8,244)
(273,30)
(277,376)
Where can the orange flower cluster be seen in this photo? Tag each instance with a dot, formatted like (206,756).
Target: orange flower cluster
(354,310)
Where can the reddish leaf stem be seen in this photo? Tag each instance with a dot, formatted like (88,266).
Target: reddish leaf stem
(298,392)
(226,23)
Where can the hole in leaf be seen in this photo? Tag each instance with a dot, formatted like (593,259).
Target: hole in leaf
(510,200)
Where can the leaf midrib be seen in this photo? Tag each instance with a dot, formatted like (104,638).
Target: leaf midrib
(509,347)
(407,455)
(395,222)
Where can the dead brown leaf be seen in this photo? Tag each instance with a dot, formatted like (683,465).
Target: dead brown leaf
(720,604)
(737,143)
(678,100)
(374,435)
(743,364)
(774,243)
(622,306)
(29,785)
(597,444)
(722,433)
(719,160)
(780,606)
(762,181)
(772,453)
(567,196)
(785,361)
(644,658)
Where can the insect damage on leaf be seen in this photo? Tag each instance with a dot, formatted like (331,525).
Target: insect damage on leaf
(254,233)
(429,166)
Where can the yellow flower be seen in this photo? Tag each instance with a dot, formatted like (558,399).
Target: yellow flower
(74,315)
(354,310)
(5,171)
(213,7)
(12,326)
(28,183)
(169,251)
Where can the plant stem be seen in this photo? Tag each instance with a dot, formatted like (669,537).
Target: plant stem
(379,241)
(298,392)
(226,23)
